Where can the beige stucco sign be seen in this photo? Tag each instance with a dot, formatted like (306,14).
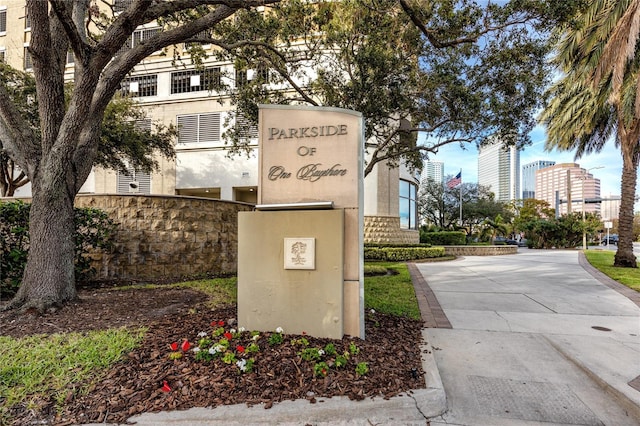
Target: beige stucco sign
(300,263)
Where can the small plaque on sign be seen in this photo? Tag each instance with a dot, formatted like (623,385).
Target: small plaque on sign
(299,253)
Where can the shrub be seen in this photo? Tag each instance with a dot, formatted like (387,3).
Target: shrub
(443,238)
(399,254)
(14,244)
(94,230)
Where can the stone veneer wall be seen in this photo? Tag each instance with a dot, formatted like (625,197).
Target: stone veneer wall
(168,236)
(386,229)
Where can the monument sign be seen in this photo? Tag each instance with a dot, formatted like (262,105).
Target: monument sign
(300,259)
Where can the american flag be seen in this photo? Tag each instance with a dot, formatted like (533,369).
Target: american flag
(452,183)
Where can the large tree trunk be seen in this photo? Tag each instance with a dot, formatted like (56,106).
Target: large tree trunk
(49,279)
(624,256)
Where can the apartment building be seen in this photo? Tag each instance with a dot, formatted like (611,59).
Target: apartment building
(433,170)
(179,94)
(565,185)
(529,177)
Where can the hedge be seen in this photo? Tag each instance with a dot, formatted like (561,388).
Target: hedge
(444,238)
(399,254)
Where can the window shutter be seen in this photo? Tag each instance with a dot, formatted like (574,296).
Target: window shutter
(134,183)
(187,128)
(209,128)
(3,20)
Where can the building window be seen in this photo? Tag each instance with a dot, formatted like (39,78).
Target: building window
(121,5)
(199,128)
(138,37)
(143,85)
(27,20)
(244,76)
(3,19)
(245,128)
(241,78)
(27,59)
(206,34)
(70,57)
(133,182)
(408,206)
(195,80)
(3,55)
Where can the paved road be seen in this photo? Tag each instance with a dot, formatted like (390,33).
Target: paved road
(535,340)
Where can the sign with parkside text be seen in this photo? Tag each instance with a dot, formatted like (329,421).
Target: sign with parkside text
(310,154)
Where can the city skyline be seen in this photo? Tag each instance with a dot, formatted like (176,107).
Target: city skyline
(455,158)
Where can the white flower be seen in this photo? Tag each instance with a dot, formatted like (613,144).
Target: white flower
(220,348)
(241,329)
(256,337)
(232,331)
(279,330)
(242,364)
(321,351)
(213,350)
(196,349)
(202,334)
(373,311)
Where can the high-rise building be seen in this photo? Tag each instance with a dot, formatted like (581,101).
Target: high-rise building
(499,169)
(565,185)
(433,170)
(529,177)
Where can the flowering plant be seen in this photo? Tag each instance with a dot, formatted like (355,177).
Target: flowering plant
(276,338)
(217,345)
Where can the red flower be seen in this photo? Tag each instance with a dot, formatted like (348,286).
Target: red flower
(304,333)
(185,345)
(165,386)
(228,335)
(174,346)
(240,348)
(221,323)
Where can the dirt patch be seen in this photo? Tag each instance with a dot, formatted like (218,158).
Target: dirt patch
(134,385)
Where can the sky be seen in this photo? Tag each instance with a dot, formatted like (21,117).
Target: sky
(455,159)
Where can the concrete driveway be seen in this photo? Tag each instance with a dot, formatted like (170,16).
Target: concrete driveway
(535,340)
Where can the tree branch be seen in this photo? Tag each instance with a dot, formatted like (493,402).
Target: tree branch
(472,38)
(65,16)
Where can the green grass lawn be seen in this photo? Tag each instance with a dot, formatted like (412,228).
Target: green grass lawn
(391,294)
(37,366)
(603,261)
(34,367)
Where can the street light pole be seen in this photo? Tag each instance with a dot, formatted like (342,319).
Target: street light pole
(584,225)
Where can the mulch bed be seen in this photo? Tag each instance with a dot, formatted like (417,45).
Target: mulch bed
(134,385)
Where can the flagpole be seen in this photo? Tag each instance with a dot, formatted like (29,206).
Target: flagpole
(460,197)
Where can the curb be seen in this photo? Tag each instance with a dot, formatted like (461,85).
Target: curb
(414,407)
(631,405)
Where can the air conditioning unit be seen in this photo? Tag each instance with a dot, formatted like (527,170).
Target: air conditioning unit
(134,186)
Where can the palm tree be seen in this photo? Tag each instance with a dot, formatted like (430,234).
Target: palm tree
(596,99)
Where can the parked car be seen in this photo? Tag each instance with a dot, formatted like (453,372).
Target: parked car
(500,241)
(612,239)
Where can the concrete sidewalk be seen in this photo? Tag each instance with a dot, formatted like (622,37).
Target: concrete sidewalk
(535,339)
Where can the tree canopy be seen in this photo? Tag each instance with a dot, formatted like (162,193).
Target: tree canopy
(455,72)
(127,138)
